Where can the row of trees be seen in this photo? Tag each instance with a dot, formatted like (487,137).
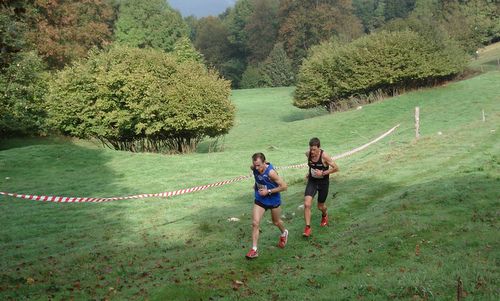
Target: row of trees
(239,41)
(256,43)
(254,33)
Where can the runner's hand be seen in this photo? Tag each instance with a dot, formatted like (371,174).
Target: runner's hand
(316,173)
(263,192)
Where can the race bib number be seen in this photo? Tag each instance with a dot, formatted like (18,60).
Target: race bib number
(261,186)
(316,173)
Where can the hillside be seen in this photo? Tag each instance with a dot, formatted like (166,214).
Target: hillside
(409,217)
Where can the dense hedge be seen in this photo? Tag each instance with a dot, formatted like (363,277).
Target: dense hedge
(380,61)
(253,77)
(140,100)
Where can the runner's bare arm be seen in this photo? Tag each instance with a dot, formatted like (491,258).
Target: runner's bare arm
(333,167)
(307,155)
(282,186)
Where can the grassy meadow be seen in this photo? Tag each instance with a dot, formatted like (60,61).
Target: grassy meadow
(408,218)
(488,58)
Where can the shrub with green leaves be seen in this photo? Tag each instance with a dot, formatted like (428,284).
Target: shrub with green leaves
(22,88)
(382,61)
(140,100)
(253,77)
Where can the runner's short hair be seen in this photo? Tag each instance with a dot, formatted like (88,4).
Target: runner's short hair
(259,156)
(314,142)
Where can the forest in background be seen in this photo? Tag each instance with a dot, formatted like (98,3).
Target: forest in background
(60,55)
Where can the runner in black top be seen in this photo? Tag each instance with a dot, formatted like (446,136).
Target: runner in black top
(318,180)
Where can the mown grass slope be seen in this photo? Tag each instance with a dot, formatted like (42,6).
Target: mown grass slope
(488,58)
(408,217)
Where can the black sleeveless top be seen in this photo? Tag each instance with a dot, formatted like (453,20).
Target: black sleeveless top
(317,165)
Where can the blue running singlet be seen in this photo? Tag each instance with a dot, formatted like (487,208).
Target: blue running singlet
(264,181)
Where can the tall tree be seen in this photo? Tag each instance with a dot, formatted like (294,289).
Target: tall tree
(262,29)
(22,80)
(277,68)
(307,23)
(185,51)
(63,30)
(365,11)
(12,30)
(374,13)
(149,24)
(236,20)
(472,23)
(192,23)
(397,8)
(22,86)
(212,40)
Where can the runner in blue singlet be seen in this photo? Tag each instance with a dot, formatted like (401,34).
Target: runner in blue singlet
(267,188)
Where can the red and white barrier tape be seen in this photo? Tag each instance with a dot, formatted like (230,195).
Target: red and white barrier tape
(346,154)
(64,199)
(60,199)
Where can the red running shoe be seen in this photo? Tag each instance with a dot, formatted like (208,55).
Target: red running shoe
(324,221)
(307,232)
(252,254)
(283,239)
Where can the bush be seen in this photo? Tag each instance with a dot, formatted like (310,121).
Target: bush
(22,88)
(383,61)
(253,77)
(232,70)
(140,100)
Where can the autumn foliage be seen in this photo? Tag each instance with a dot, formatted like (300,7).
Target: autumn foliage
(64,30)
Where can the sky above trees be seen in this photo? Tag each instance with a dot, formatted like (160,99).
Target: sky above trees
(201,8)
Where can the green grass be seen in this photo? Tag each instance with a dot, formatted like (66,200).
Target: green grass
(488,58)
(441,193)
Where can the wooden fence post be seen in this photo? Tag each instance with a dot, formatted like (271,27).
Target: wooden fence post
(459,289)
(417,122)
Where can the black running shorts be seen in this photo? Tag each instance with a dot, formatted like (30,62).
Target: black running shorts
(267,207)
(321,187)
